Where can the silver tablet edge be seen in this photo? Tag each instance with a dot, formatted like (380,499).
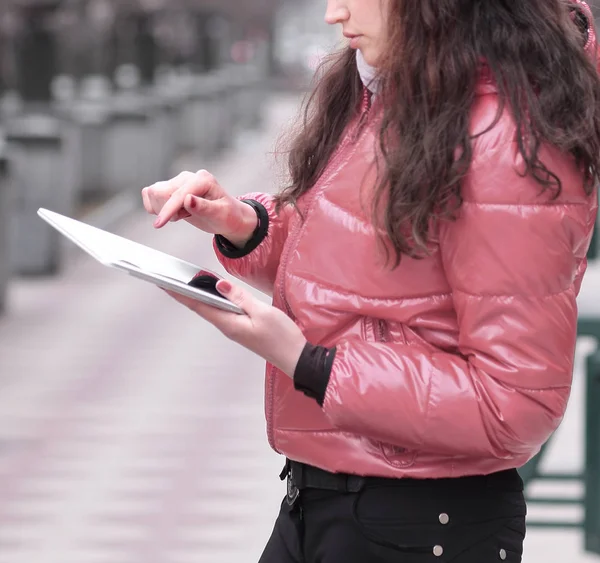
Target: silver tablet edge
(179,287)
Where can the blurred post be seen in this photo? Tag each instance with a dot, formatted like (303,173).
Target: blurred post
(81,94)
(594,250)
(161,105)
(204,113)
(36,51)
(4,49)
(595,6)
(43,176)
(5,208)
(146,47)
(128,153)
(39,180)
(592,455)
(209,27)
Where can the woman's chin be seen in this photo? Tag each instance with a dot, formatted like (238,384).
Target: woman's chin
(368,56)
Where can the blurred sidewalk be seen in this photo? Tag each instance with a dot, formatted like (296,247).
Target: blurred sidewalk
(132,432)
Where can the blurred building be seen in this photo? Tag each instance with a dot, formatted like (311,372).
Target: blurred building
(303,37)
(41,39)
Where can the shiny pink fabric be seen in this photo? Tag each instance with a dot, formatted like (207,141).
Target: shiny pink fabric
(458,364)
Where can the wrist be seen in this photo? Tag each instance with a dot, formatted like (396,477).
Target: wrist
(247,227)
(252,229)
(290,356)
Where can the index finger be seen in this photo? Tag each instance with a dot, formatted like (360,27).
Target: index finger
(170,209)
(175,203)
(173,206)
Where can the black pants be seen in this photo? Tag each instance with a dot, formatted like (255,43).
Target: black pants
(466,520)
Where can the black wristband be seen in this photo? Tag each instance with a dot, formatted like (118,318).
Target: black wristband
(260,233)
(314,371)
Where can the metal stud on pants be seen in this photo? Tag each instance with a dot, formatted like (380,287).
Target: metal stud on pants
(438,550)
(502,554)
(444,518)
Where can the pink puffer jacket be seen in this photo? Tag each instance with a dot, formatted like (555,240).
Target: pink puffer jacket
(458,364)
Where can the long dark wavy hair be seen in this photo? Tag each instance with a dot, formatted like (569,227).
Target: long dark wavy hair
(534,50)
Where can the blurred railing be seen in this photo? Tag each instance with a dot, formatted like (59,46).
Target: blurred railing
(99,97)
(588,480)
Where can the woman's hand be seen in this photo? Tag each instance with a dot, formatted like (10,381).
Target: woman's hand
(201,201)
(264,330)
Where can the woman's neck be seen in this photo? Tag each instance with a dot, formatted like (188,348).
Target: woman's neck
(368,73)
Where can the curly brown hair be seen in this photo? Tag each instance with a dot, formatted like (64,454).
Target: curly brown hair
(534,51)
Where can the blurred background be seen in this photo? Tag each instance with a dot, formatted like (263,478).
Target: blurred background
(130,431)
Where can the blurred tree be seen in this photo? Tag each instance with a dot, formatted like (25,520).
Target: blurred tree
(252,20)
(36,49)
(40,38)
(595,6)
(9,26)
(101,17)
(145,46)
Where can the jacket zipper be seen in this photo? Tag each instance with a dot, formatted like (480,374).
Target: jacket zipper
(364,113)
(365,108)
(380,329)
(293,240)
(381,332)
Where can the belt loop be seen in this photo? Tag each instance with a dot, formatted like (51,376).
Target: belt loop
(297,473)
(355,483)
(286,470)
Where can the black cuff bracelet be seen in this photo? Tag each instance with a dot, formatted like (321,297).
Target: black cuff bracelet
(262,229)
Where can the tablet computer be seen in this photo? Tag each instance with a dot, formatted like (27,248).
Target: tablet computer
(141,261)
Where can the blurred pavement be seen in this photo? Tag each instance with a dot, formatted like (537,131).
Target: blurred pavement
(132,432)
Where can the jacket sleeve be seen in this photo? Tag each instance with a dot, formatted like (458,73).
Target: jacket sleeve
(514,264)
(259,267)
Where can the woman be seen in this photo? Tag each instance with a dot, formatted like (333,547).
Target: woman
(424,265)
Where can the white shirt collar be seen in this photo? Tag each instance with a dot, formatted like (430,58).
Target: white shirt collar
(368,74)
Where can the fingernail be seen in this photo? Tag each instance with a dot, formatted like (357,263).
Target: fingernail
(192,202)
(224,287)
(157,222)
